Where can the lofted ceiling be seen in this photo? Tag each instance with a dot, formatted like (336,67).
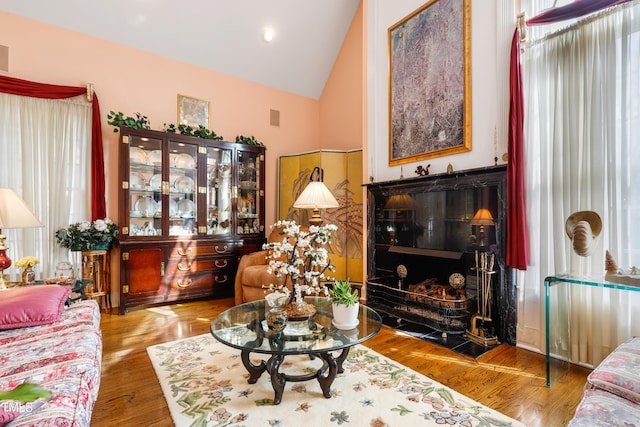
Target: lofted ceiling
(221,35)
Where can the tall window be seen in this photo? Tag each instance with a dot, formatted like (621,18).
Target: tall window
(582,121)
(45,147)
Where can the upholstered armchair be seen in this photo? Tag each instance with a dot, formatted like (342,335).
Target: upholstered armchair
(252,277)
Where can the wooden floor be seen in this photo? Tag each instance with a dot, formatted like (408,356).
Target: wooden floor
(508,379)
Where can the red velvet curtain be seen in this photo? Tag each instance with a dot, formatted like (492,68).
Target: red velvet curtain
(42,90)
(572,10)
(517,237)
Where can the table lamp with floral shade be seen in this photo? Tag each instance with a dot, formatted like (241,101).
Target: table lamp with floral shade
(14,213)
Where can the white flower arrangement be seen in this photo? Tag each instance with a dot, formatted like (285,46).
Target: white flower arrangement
(84,235)
(306,260)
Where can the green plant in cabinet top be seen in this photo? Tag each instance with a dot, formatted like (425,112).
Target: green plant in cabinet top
(249,140)
(118,119)
(200,131)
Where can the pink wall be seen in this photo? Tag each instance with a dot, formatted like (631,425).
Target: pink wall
(131,81)
(341,111)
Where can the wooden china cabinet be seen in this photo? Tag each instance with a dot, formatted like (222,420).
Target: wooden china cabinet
(188,209)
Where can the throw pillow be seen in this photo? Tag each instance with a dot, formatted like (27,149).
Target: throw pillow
(619,372)
(6,416)
(32,305)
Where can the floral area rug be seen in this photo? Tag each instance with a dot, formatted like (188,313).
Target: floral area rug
(205,385)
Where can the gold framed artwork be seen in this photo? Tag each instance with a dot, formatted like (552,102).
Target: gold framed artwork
(193,112)
(430,82)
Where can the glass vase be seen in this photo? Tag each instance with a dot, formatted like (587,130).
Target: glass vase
(28,276)
(276,319)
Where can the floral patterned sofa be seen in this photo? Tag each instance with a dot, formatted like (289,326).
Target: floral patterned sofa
(43,341)
(612,393)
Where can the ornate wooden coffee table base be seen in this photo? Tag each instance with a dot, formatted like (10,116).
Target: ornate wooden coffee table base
(331,366)
(244,327)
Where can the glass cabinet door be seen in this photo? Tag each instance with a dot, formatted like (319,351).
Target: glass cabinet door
(145,179)
(182,189)
(249,193)
(218,191)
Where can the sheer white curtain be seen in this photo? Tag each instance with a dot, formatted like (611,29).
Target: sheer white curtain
(582,120)
(45,147)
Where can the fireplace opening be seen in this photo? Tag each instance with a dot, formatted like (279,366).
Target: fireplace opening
(439,307)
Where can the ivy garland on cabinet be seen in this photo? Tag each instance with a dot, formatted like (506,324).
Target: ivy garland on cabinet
(142,122)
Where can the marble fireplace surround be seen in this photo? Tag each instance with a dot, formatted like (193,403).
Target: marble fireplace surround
(382,261)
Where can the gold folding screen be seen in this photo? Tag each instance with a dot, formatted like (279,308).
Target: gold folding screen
(343,176)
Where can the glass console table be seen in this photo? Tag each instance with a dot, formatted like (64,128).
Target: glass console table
(558,314)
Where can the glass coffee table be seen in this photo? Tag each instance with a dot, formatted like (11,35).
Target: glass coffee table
(244,327)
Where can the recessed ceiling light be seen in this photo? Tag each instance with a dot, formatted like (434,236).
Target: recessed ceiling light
(268,35)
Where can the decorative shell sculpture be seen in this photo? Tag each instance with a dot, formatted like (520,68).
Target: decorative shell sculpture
(610,264)
(583,228)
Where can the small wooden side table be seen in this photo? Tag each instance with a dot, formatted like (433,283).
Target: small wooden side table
(96,266)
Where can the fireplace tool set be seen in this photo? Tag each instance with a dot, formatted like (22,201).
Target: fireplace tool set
(481,322)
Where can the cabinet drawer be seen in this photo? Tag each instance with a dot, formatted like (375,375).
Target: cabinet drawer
(190,282)
(224,277)
(226,248)
(203,283)
(197,265)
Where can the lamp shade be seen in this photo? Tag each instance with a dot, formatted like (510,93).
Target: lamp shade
(316,195)
(401,202)
(482,217)
(14,212)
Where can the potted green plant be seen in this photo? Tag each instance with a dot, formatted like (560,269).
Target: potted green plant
(345,304)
